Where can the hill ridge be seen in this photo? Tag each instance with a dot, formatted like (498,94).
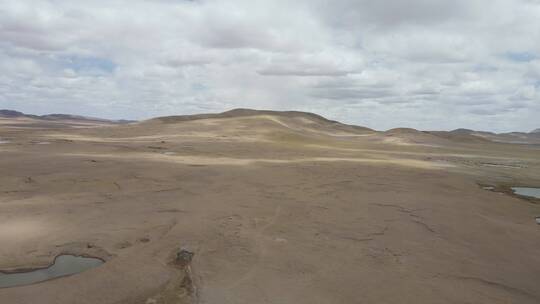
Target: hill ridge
(243,112)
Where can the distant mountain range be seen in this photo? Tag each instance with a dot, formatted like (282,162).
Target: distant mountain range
(465,135)
(469,131)
(59,117)
(532,137)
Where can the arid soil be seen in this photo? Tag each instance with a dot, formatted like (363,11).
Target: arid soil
(276,207)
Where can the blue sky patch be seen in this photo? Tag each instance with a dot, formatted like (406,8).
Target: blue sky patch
(520,56)
(88,64)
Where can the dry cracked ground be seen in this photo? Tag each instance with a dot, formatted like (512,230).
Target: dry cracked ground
(276,208)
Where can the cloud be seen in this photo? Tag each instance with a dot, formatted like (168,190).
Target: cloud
(354,94)
(382,64)
(391,13)
(320,63)
(306,71)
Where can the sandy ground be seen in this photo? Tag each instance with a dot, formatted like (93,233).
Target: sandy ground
(277,209)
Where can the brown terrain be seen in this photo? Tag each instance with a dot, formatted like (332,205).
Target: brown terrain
(277,207)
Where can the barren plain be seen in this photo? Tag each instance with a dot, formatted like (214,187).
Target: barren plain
(277,207)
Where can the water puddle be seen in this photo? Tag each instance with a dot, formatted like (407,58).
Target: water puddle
(63,265)
(524,191)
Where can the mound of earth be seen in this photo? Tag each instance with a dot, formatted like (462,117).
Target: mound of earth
(459,136)
(240,113)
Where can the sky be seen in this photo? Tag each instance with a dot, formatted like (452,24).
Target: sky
(424,64)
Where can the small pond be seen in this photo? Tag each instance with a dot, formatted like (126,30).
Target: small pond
(524,191)
(63,265)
